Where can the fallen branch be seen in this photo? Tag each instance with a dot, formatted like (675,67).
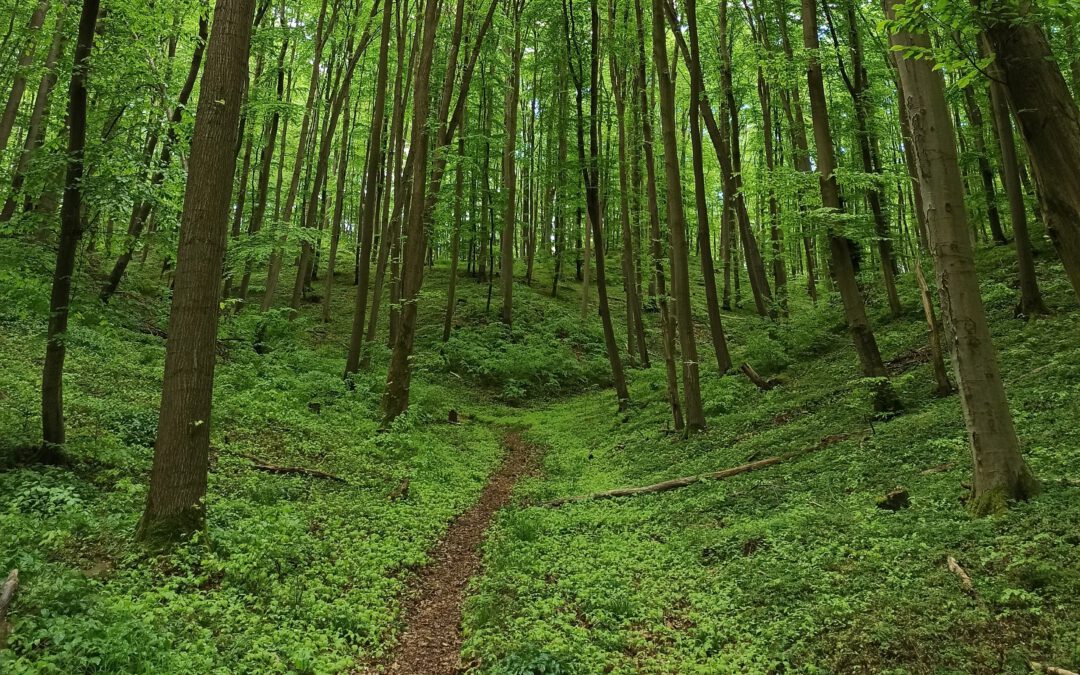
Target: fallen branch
(676,483)
(670,484)
(7,594)
(260,465)
(759,382)
(965,580)
(1043,668)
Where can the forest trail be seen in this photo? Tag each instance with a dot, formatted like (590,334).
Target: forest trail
(430,644)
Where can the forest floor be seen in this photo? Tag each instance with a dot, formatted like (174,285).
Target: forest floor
(790,568)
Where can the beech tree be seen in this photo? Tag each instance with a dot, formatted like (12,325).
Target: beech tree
(1000,473)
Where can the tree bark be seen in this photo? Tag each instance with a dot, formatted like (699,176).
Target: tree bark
(695,414)
(885,400)
(1000,471)
(72,226)
(1031,302)
(175,503)
(1048,118)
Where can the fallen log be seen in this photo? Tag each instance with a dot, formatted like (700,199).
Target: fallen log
(1051,670)
(260,465)
(676,483)
(673,484)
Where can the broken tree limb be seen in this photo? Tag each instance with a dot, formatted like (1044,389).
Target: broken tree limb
(673,484)
(260,465)
(676,483)
(7,594)
(965,580)
(759,382)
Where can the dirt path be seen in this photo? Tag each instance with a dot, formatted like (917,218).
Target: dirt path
(431,641)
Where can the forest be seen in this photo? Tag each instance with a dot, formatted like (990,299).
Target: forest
(540,336)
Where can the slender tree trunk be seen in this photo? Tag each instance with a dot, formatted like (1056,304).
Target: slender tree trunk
(695,414)
(975,118)
(18,85)
(1031,302)
(506,258)
(368,215)
(396,397)
(258,212)
(635,329)
(885,399)
(175,503)
(1000,471)
(704,238)
(455,237)
(274,271)
(667,322)
(72,226)
(35,133)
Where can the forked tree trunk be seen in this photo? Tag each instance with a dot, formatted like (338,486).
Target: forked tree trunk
(72,225)
(1000,471)
(175,503)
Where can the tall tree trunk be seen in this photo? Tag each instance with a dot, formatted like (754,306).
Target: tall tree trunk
(1031,302)
(175,502)
(885,399)
(680,277)
(339,205)
(591,175)
(1048,118)
(274,271)
(18,85)
(506,258)
(1000,471)
(371,180)
(975,118)
(635,329)
(667,322)
(704,237)
(258,212)
(72,225)
(455,236)
(396,397)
